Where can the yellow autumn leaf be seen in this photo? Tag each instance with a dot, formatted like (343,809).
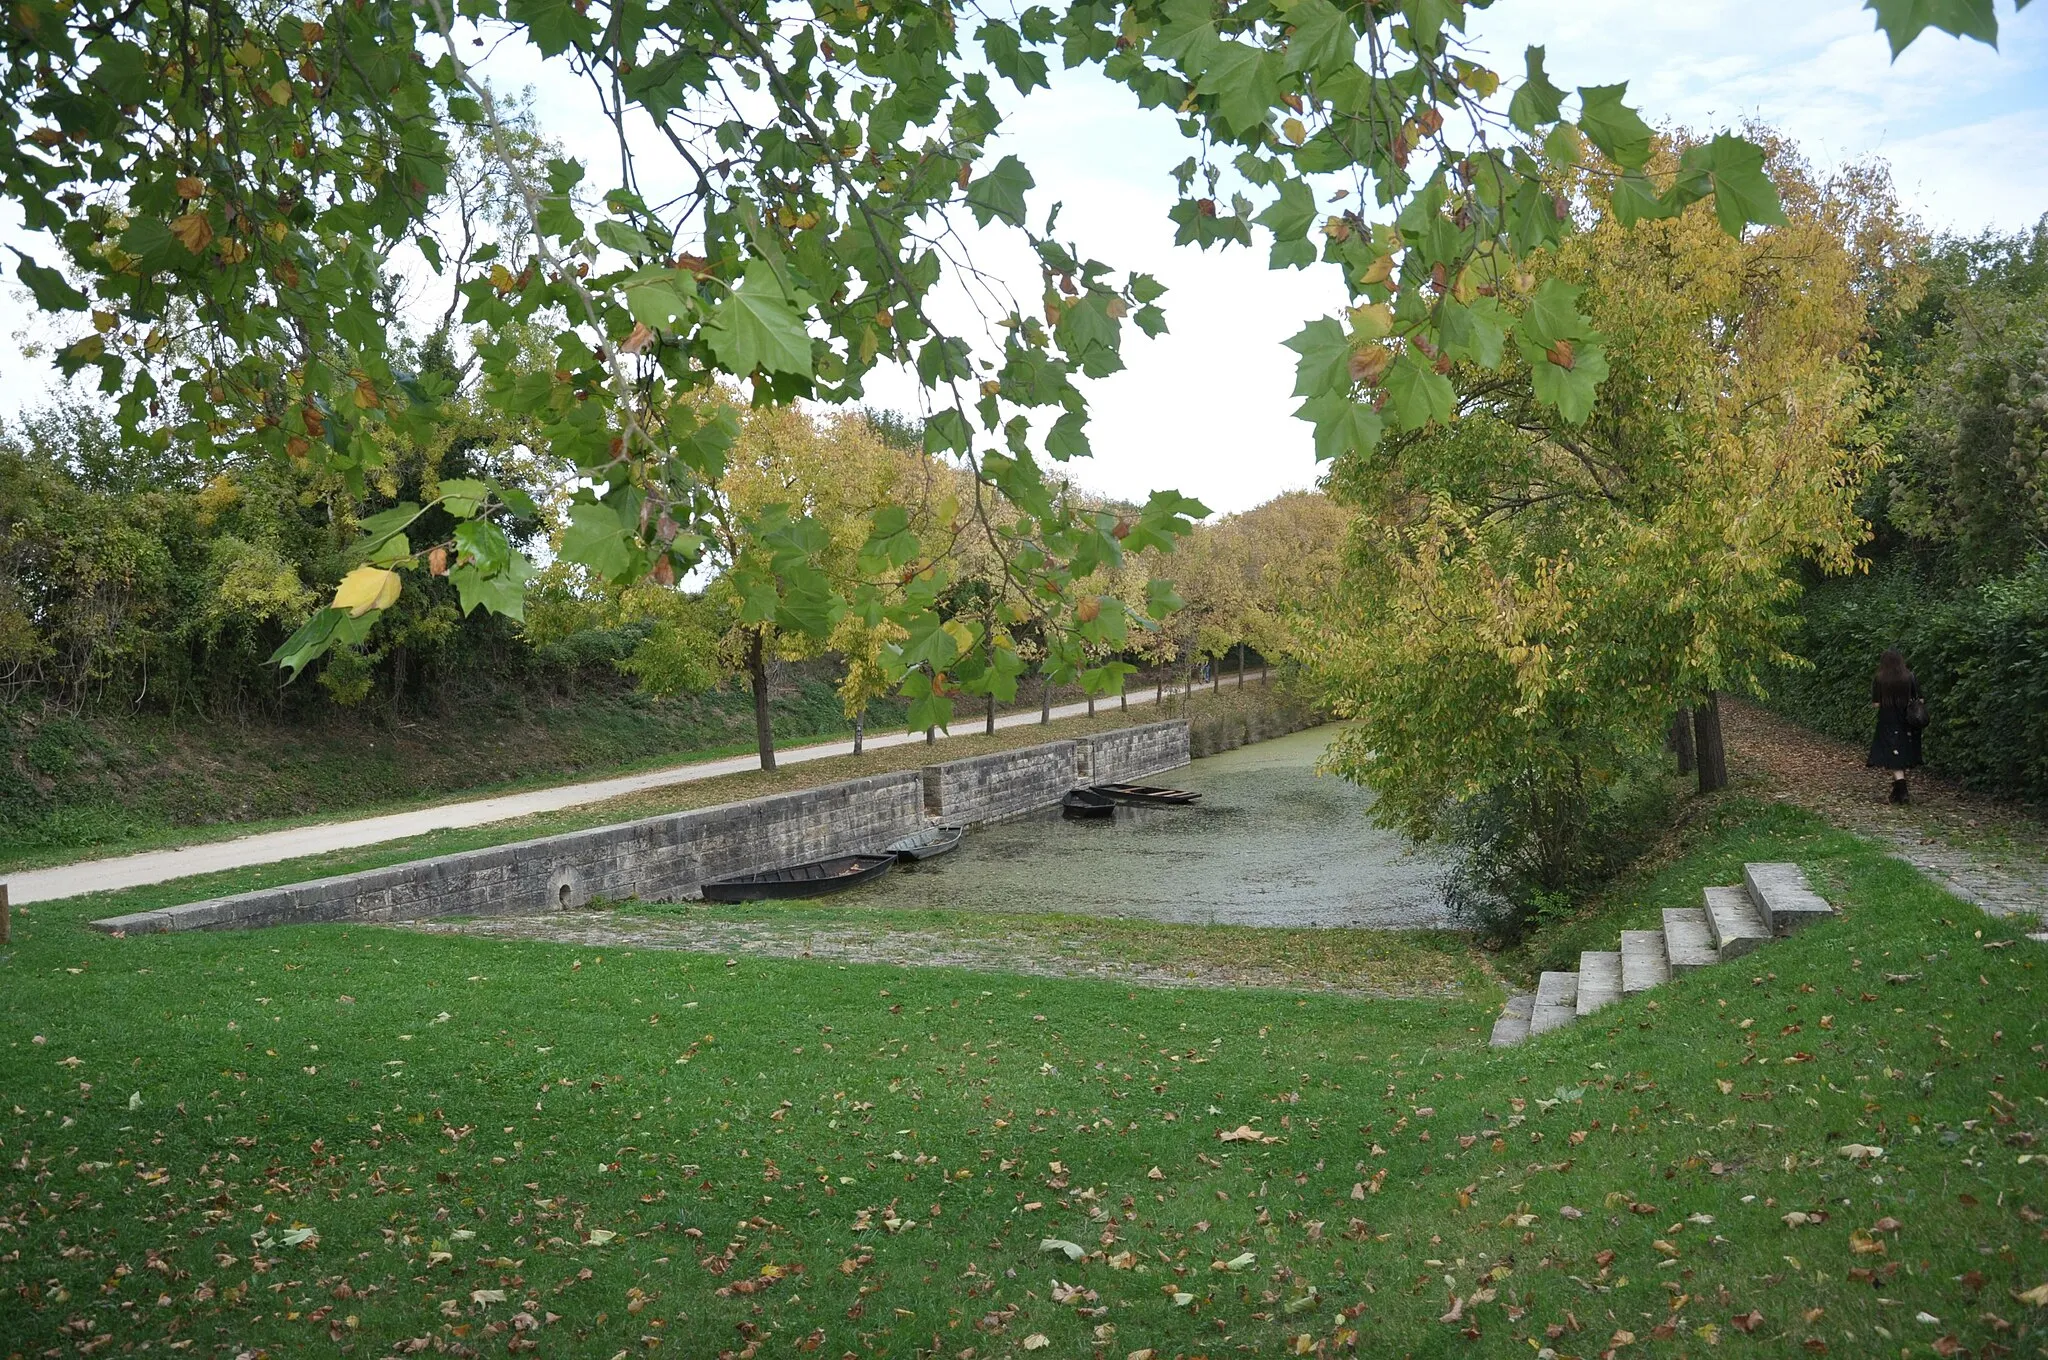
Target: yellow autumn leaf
(193,231)
(366,588)
(1296,133)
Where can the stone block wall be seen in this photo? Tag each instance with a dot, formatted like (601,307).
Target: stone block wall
(657,859)
(666,858)
(987,788)
(1133,752)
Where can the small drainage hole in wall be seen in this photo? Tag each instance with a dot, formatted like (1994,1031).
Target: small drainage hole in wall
(563,897)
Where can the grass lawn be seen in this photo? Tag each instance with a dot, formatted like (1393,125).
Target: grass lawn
(322,1140)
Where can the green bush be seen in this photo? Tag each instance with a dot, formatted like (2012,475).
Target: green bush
(1981,653)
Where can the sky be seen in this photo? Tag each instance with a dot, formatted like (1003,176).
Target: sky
(1206,409)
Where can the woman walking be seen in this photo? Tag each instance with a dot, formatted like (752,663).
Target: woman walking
(1901,713)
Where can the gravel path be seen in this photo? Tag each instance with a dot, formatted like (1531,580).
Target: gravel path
(904,946)
(1985,850)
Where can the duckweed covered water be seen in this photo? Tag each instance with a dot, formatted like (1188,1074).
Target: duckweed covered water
(1271,844)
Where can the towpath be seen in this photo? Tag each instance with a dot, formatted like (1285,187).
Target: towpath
(269,847)
(1987,851)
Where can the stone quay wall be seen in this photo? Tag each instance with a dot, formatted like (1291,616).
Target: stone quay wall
(1134,752)
(657,859)
(1005,784)
(668,858)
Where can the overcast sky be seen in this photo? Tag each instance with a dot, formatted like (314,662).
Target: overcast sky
(1206,409)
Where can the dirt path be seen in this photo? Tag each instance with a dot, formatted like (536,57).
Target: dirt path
(1985,850)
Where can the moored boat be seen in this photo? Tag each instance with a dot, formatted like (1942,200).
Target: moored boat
(1146,795)
(812,879)
(931,841)
(1087,803)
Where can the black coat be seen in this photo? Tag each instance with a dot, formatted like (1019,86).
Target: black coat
(1896,745)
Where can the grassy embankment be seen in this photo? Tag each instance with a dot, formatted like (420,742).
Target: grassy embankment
(306,1139)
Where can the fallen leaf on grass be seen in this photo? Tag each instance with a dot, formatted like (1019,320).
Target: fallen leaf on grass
(2037,1297)
(1037,1341)
(600,1236)
(486,1296)
(1245,1133)
(1074,1250)
(1747,1322)
(1567,1211)
(1859,1150)
(1242,1261)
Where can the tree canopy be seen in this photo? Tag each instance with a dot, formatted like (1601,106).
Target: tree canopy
(1534,589)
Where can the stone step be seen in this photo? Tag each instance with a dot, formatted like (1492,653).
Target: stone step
(1687,941)
(1599,980)
(1513,1025)
(1734,923)
(1783,897)
(1557,1002)
(1644,964)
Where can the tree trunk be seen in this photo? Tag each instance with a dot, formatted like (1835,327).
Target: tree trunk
(1091,705)
(1159,687)
(990,726)
(1679,739)
(860,724)
(1045,701)
(1240,665)
(931,736)
(1215,675)
(757,676)
(398,659)
(1709,752)
(1187,689)
(1123,701)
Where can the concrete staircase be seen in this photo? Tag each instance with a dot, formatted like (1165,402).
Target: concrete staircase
(1772,900)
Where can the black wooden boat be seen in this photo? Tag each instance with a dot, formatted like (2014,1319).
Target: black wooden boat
(814,879)
(1146,795)
(1087,803)
(931,841)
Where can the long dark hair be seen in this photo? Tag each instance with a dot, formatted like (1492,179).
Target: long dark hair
(1894,676)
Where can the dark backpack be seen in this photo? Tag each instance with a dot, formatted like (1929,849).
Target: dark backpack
(1916,713)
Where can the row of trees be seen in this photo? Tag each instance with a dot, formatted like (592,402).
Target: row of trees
(167,583)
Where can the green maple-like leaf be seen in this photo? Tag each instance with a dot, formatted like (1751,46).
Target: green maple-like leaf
(1324,351)
(1244,82)
(1417,393)
(755,327)
(1743,193)
(1000,193)
(1618,130)
(1188,37)
(53,292)
(1289,216)
(1342,425)
(1536,100)
(596,539)
(554,26)
(1904,20)
(1322,39)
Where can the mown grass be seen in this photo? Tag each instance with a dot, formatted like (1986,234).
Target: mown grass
(308,1140)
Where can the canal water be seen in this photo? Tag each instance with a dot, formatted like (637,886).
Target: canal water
(1272,843)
